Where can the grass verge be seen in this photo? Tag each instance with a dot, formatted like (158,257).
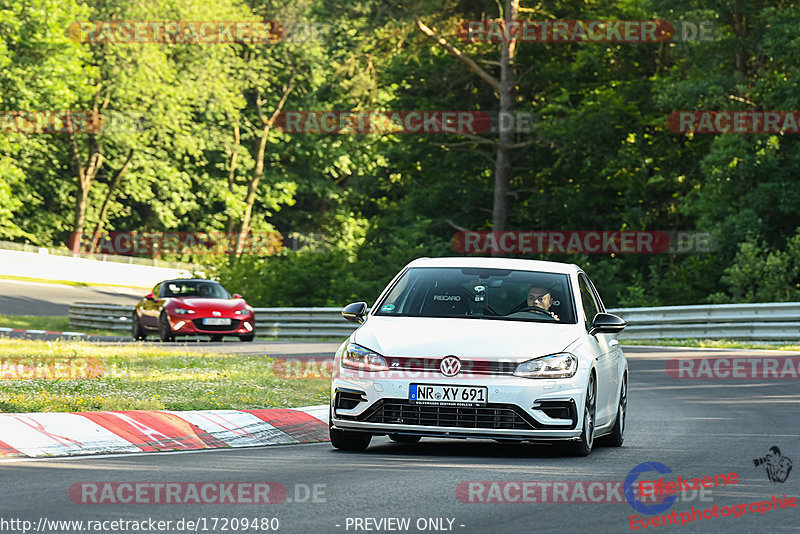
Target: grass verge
(56,323)
(45,376)
(713,344)
(66,282)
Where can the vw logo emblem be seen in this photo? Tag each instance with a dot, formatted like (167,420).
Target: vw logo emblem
(450,366)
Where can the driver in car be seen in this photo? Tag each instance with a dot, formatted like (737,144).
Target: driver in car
(540,297)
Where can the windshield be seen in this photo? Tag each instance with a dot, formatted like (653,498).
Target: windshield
(193,289)
(481,293)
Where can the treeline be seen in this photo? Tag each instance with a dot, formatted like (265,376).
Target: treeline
(198,147)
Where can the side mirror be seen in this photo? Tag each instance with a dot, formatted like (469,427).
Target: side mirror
(355,312)
(150,296)
(237,296)
(607,323)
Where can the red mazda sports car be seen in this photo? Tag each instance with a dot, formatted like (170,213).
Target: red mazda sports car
(193,307)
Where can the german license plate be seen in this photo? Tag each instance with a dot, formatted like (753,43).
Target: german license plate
(447,395)
(216,321)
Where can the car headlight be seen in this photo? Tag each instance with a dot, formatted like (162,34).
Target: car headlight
(242,312)
(363,359)
(182,311)
(561,365)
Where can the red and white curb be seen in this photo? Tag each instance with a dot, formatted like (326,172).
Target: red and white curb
(79,433)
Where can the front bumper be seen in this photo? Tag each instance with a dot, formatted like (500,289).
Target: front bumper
(192,324)
(517,408)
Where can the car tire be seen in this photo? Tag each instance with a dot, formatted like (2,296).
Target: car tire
(247,337)
(164,329)
(617,435)
(137,332)
(583,446)
(404,438)
(216,337)
(347,441)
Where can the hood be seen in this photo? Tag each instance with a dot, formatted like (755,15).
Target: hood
(202,304)
(425,337)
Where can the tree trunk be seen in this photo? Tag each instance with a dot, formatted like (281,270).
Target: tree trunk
(502,166)
(740,31)
(101,220)
(252,187)
(506,92)
(232,171)
(79,217)
(85,178)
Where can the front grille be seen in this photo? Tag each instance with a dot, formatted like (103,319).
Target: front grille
(493,416)
(468,367)
(198,323)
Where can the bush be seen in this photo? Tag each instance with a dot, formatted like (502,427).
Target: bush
(759,274)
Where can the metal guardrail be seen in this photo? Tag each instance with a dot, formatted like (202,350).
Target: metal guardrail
(754,322)
(302,322)
(270,322)
(775,321)
(100,316)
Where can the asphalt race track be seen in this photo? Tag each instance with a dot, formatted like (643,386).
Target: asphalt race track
(697,428)
(31,298)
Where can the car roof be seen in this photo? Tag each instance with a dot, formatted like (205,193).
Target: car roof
(497,263)
(189,280)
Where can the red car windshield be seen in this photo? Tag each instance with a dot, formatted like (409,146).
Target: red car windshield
(192,289)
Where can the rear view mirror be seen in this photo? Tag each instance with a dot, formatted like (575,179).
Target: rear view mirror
(237,296)
(355,312)
(607,323)
(150,296)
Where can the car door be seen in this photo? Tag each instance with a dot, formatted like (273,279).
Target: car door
(601,346)
(615,352)
(151,309)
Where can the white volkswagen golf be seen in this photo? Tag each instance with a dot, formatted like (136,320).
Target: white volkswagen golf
(495,348)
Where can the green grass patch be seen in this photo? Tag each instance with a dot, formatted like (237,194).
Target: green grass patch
(714,344)
(56,323)
(142,377)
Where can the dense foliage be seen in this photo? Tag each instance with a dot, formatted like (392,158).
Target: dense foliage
(599,158)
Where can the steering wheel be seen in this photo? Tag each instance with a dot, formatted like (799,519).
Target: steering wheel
(534,309)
